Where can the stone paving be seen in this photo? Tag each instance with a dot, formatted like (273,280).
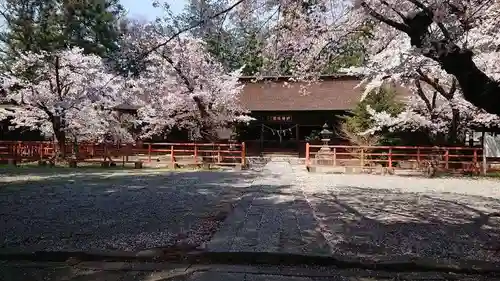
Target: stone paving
(273,217)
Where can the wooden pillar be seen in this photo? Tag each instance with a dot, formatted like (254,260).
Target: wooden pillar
(261,138)
(172,157)
(418,157)
(390,158)
(297,137)
(334,156)
(485,167)
(446,159)
(307,155)
(243,154)
(149,153)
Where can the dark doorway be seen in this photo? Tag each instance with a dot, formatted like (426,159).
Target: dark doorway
(277,137)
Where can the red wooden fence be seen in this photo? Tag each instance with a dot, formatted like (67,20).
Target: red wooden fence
(199,153)
(396,157)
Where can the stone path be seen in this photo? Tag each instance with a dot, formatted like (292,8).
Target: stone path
(272,217)
(373,218)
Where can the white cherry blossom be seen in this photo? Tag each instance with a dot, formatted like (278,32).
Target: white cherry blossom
(66,94)
(182,85)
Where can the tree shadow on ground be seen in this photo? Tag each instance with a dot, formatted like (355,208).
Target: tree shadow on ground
(241,213)
(388,225)
(164,272)
(117,210)
(60,271)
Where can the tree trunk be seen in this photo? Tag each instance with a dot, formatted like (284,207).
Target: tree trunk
(208,134)
(477,87)
(61,144)
(453,134)
(60,134)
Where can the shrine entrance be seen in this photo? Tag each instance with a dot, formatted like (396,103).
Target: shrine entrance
(279,135)
(284,132)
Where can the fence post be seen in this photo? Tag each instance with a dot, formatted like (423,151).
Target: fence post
(334,156)
(172,158)
(195,154)
(307,154)
(390,158)
(418,157)
(149,152)
(20,151)
(485,164)
(362,157)
(243,148)
(474,161)
(218,154)
(40,153)
(446,157)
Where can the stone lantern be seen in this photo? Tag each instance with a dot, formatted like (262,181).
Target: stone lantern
(326,136)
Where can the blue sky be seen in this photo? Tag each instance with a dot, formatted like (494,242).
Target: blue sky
(143,9)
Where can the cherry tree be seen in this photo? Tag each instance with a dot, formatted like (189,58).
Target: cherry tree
(437,117)
(425,46)
(460,37)
(299,37)
(455,42)
(65,95)
(180,85)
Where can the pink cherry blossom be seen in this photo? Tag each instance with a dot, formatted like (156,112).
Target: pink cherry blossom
(74,88)
(182,85)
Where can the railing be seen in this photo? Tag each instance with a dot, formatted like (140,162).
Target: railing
(395,157)
(174,153)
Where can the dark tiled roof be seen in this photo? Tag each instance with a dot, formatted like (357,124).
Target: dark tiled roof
(331,93)
(125,106)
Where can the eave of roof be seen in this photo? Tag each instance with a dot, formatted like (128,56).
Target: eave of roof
(337,76)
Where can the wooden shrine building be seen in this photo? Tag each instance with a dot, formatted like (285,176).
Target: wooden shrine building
(287,117)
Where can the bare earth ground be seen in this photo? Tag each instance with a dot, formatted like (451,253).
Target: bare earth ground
(280,208)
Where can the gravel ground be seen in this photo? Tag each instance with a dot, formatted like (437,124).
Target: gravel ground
(92,271)
(115,210)
(402,218)
(359,216)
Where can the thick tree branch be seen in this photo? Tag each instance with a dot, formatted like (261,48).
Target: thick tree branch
(434,98)
(175,35)
(189,85)
(477,87)
(379,17)
(453,88)
(393,9)
(421,94)
(58,81)
(434,83)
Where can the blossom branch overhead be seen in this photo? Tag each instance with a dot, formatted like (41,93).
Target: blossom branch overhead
(464,28)
(183,86)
